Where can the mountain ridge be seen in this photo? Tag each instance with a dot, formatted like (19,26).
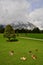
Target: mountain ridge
(21,25)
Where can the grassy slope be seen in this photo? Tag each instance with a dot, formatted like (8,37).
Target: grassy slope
(20,48)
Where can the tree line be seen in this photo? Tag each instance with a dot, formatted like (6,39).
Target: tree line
(35,30)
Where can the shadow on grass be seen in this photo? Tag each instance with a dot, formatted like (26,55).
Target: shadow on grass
(12,40)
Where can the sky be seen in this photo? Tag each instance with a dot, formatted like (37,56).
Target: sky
(22,10)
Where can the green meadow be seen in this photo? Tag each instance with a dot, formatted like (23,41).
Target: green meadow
(21,48)
(32,35)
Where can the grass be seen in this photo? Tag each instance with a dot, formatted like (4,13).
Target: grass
(21,48)
(32,35)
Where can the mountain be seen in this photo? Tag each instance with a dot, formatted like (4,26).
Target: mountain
(21,25)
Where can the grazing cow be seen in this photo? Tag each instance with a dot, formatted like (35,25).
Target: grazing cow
(23,58)
(11,52)
(34,57)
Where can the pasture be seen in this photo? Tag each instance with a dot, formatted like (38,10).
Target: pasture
(32,35)
(21,48)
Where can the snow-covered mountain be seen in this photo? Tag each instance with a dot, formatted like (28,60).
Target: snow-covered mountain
(20,25)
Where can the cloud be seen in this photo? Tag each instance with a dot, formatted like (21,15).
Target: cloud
(36,17)
(12,10)
(21,10)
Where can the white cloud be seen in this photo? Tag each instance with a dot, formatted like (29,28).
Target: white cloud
(12,10)
(36,17)
(18,10)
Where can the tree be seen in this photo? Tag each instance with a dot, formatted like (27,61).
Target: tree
(1,28)
(9,32)
(36,30)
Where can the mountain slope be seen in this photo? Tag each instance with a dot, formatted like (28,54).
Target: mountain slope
(20,25)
